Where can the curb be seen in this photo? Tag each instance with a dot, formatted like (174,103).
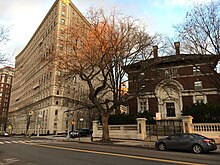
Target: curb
(112,144)
(149,147)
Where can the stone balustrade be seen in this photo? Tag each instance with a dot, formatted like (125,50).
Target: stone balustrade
(206,127)
(139,131)
(211,130)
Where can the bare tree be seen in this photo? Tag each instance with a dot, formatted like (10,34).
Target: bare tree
(30,119)
(96,53)
(4,38)
(200,34)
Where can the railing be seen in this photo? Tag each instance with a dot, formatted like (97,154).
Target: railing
(206,127)
(120,127)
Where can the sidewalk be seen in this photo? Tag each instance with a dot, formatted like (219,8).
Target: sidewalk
(121,142)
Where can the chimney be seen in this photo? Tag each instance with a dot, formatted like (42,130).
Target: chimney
(155,51)
(177,47)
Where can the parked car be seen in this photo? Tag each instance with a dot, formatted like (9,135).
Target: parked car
(85,132)
(3,133)
(186,141)
(82,133)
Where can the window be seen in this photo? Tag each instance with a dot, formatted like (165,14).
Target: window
(141,76)
(196,70)
(58,92)
(198,85)
(167,72)
(199,99)
(61,46)
(143,105)
(62,21)
(56,112)
(55,125)
(3,78)
(62,29)
(61,38)
(59,73)
(57,102)
(170,109)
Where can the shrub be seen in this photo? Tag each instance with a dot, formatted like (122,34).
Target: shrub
(203,113)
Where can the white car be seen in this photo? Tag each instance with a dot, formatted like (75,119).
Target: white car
(3,133)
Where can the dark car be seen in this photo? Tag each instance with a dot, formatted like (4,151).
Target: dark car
(82,133)
(186,141)
(85,132)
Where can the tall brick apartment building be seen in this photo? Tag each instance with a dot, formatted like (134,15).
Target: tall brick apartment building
(169,84)
(6,77)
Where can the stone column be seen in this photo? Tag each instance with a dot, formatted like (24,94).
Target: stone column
(141,125)
(95,128)
(187,124)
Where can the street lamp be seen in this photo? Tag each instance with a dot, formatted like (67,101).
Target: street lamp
(81,121)
(69,122)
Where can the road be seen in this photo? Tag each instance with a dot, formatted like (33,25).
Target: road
(21,151)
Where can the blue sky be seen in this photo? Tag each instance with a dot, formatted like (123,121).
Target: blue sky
(24,16)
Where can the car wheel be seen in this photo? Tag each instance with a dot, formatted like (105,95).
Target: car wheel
(162,147)
(197,149)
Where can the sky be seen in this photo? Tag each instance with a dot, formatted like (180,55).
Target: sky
(24,16)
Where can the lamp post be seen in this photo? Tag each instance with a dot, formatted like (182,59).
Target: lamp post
(81,123)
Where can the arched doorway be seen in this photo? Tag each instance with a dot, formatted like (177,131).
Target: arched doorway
(168,93)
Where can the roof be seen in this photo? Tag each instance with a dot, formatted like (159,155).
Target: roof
(173,60)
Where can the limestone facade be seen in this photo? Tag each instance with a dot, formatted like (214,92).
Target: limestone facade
(38,95)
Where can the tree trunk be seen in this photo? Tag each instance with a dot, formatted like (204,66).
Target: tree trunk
(105,129)
(27,126)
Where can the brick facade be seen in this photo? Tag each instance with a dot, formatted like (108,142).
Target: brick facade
(171,83)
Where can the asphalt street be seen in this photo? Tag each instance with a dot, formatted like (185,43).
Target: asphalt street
(23,151)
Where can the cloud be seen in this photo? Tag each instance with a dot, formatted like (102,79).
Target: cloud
(166,4)
(26,15)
